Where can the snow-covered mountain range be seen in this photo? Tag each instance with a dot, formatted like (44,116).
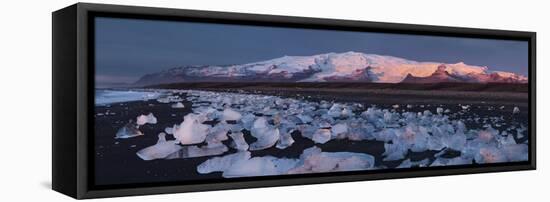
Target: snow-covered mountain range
(344,67)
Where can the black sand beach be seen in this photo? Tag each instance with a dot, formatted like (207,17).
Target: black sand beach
(116,161)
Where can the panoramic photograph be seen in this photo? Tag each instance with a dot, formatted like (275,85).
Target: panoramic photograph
(188,101)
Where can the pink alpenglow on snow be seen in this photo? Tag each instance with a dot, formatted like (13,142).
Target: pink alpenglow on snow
(347,66)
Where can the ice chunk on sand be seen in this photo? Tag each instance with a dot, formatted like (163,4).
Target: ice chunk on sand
(516,110)
(247,121)
(335,110)
(144,119)
(339,129)
(313,160)
(490,154)
(127,131)
(394,152)
(487,135)
(285,140)
(170,130)
(412,137)
(346,112)
(219,164)
(170,98)
(217,134)
(321,136)
(267,135)
(192,151)
(239,143)
(191,131)
(451,161)
(231,115)
(516,152)
(160,150)
(208,150)
(178,105)
(260,166)
(304,118)
(240,165)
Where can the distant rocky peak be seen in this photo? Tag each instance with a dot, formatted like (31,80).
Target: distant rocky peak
(441,68)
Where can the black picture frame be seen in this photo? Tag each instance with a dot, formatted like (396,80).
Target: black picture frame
(73,81)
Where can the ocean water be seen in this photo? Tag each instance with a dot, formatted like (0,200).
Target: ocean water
(104,97)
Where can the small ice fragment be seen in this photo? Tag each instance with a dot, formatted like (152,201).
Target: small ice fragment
(178,105)
(247,121)
(239,142)
(394,152)
(321,136)
(305,118)
(395,106)
(516,152)
(516,110)
(170,130)
(285,140)
(439,110)
(487,135)
(339,129)
(490,155)
(231,115)
(217,134)
(465,107)
(144,119)
(346,112)
(160,150)
(127,131)
(335,110)
(409,106)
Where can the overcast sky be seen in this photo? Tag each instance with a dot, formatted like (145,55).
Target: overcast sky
(127,49)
